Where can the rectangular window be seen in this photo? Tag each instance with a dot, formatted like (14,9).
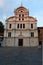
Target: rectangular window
(23,25)
(9,34)
(20,25)
(32,34)
(31,25)
(9,25)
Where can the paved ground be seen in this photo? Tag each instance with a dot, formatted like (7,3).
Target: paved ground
(20,56)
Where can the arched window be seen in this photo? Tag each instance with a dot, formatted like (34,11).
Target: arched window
(9,34)
(9,25)
(31,25)
(23,25)
(20,25)
(32,34)
(19,19)
(22,18)
(17,25)
(22,15)
(19,15)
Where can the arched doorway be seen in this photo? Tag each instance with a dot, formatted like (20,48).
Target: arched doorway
(20,42)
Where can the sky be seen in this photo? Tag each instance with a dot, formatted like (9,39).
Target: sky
(35,8)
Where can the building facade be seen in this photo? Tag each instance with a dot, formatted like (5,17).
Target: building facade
(21,29)
(40,35)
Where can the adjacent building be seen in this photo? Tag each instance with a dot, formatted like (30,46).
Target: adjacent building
(40,35)
(21,29)
(1,38)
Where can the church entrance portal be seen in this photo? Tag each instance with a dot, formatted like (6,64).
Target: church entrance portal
(20,42)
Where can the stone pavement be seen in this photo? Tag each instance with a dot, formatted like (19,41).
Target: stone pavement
(20,56)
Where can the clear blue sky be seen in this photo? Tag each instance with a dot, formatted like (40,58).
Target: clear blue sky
(35,8)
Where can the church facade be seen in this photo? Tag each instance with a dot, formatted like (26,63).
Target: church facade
(21,29)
